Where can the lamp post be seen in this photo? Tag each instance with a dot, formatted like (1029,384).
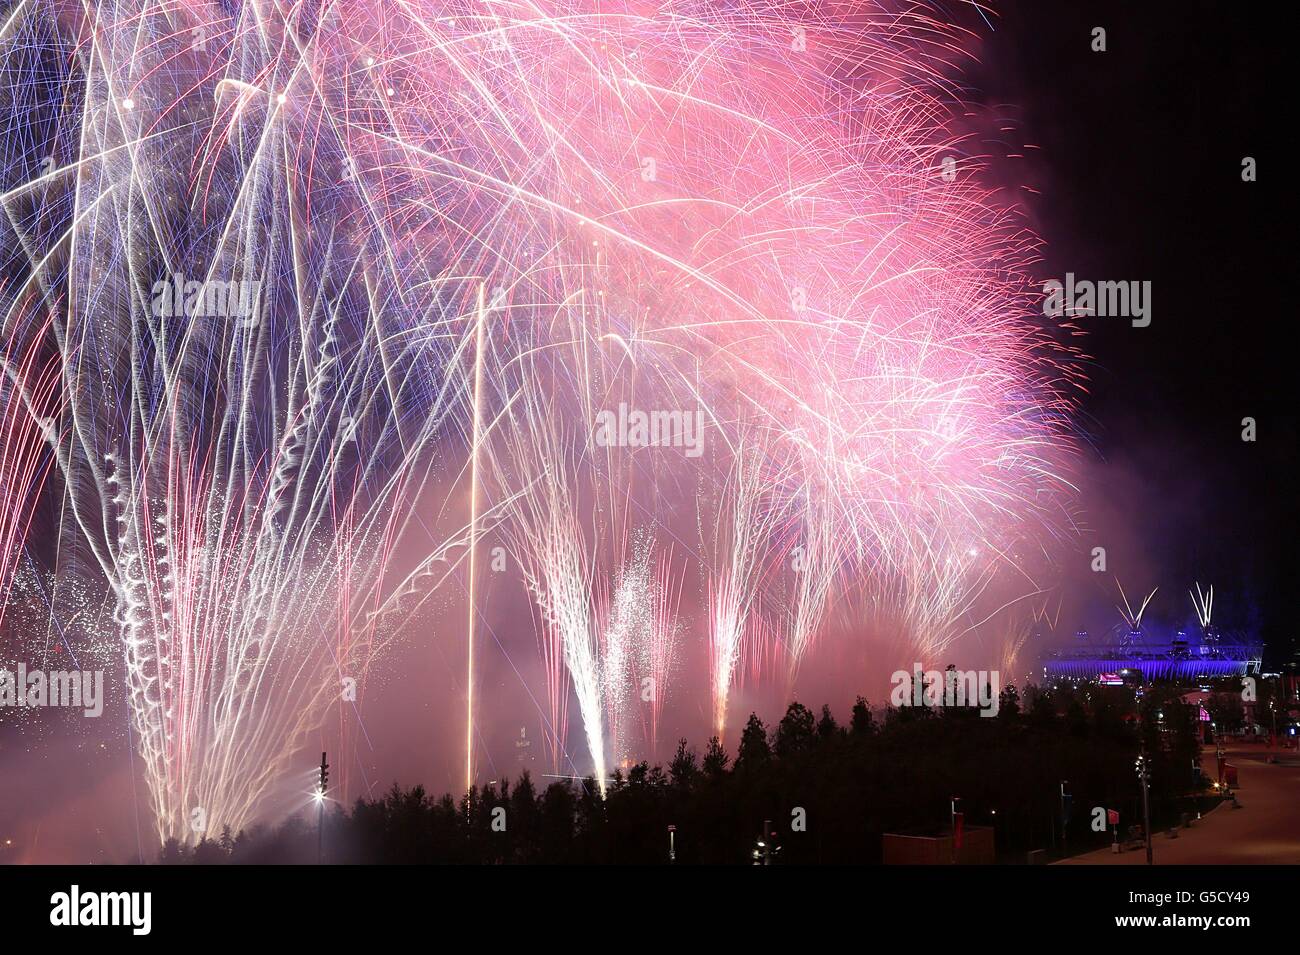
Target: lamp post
(952,819)
(1144,777)
(321,788)
(1065,818)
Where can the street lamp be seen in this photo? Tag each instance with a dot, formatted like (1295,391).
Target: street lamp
(1065,817)
(322,786)
(1144,777)
(952,809)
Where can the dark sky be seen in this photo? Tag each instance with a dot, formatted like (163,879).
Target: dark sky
(1139,174)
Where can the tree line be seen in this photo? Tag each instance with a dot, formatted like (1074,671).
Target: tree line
(830,791)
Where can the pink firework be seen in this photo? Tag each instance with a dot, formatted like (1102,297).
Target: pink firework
(29,415)
(468,229)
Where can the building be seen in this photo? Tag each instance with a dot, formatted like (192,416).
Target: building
(1135,655)
(977,848)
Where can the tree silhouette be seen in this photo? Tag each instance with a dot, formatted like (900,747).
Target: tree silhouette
(892,778)
(683,770)
(1009,703)
(861,724)
(715,759)
(173,853)
(827,728)
(754,751)
(795,733)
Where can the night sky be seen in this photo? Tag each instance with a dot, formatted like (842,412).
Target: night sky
(1140,178)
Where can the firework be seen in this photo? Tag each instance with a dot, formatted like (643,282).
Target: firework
(304,260)
(740,536)
(1203,603)
(1132,618)
(246,428)
(29,409)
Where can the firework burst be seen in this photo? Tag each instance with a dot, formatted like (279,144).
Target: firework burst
(301,259)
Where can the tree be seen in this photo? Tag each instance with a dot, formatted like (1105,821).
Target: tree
(173,853)
(683,770)
(1184,740)
(208,852)
(754,750)
(591,812)
(1226,711)
(1009,703)
(715,759)
(1042,710)
(557,815)
(827,728)
(524,815)
(1076,720)
(795,733)
(861,723)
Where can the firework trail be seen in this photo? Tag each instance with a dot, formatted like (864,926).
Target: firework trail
(621,619)
(248,424)
(639,637)
(1013,634)
(660,643)
(816,563)
(29,410)
(617,627)
(535,458)
(743,529)
(1132,618)
(562,586)
(1203,604)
